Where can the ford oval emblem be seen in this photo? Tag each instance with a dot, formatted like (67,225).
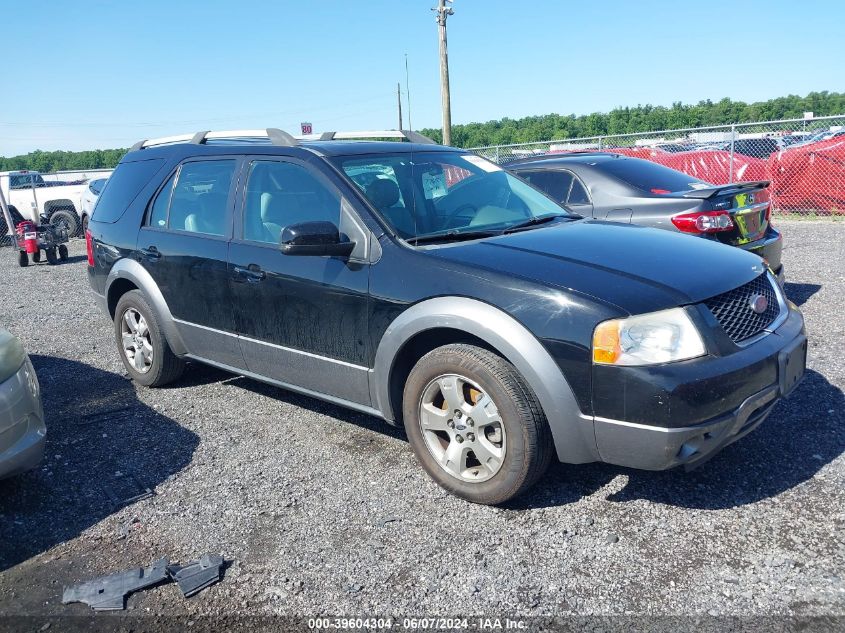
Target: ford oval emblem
(758,303)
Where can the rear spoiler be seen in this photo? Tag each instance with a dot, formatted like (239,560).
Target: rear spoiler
(732,188)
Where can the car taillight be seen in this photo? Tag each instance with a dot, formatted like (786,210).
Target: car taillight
(89,246)
(703,222)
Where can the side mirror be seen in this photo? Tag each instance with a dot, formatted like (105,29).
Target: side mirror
(314,238)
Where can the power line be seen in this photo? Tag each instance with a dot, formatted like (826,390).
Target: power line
(201,121)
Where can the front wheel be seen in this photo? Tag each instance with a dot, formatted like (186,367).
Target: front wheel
(475,425)
(23,259)
(63,254)
(51,255)
(143,349)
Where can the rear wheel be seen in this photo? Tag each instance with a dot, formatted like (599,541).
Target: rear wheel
(51,255)
(84,223)
(63,252)
(143,349)
(23,259)
(36,256)
(475,425)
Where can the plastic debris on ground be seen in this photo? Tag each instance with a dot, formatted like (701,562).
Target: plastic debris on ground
(108,593)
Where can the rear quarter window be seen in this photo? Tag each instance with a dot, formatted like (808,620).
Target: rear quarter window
(123,187)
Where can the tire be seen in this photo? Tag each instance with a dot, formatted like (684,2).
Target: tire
(65,218)
(84,224)
(63,252)
(162,366)
(23,259)
(512,437)
(36,256)
(51,255)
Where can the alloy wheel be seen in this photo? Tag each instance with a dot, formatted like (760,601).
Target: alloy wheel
(462,428)
(135,337)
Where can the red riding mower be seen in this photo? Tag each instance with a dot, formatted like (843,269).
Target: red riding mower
(32,239)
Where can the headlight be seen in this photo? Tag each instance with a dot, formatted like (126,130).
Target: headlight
(12,355)
(647,339)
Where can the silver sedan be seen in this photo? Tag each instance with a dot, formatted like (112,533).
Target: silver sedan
(22,429)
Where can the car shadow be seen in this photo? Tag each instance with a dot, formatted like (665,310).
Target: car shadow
(804,433)
(104,447)
(197,374)
(363,420)
(72,259)
(800,293)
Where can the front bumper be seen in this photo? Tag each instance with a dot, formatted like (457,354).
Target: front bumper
(656,418)
(22,428)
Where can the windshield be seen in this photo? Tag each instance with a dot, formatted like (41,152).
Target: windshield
(430,193)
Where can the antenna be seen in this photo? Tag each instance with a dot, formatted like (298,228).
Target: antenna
(408,93)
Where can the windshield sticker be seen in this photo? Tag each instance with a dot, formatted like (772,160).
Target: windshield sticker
(484,164)
(434,184)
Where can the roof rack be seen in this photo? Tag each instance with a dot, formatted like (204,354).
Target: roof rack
(413,137)
(280,137)
(276,136)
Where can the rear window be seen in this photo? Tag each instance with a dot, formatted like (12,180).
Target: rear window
(123,187)
(650,177)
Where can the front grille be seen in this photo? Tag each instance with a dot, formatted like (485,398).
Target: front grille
(734,313)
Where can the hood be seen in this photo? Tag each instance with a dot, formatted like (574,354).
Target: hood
(635,268)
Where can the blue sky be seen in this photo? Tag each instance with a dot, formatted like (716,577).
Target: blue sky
(104,74)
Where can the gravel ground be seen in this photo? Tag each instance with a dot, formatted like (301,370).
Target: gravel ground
(325,511)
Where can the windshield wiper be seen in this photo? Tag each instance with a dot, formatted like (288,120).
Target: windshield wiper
(545,219)
(451,236)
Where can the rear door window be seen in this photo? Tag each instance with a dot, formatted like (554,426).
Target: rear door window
(555,183)
(195,199)
(123,187)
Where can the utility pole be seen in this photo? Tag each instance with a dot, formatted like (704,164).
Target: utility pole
(444,12)
(399,103)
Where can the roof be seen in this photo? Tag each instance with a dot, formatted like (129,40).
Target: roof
(346,148)
(274,141)
(181,151)
(574,157)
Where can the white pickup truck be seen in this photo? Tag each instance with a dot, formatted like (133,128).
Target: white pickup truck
(32,197)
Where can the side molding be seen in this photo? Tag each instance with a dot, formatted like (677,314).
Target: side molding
(572,431)
(130,269)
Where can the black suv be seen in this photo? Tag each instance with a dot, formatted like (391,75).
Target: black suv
(427,286)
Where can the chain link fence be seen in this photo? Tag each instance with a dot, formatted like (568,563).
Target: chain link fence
(63,198)
(803,158)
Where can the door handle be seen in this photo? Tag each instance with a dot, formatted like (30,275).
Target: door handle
(151,253)
(252,273)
